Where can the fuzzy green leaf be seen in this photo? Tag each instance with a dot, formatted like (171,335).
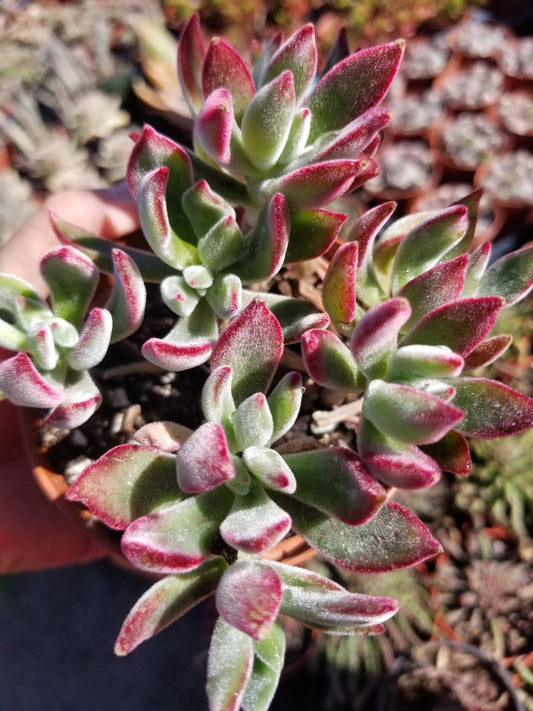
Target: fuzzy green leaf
(249,597)
(353,86)
(125,483)
(229,667)
(165,602)
(179,537)
(394,538)
(336,481)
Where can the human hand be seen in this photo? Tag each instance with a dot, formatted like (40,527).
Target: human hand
(34,532)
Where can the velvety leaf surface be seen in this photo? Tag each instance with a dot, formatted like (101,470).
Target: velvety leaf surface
(316,185)
(128,297)
(298,54)
(99,251)
(191,55)
(79,401)
(413,362)
(451,453)
(395,463)
(93,341)
(364,232)
(225,295)
(336,608)
(407,414)
(284,403)
(487,351)
(255,523)
(263,138)
(252,422)
(394,538)
(461,325)
(229,666)
(437,286)
(163,435)
(335,480)
(155,223)
(266,244)
(375,336)
(477,265)
(510,277)
(426,243)
(471,202)
(249,597)
(224,67)
(214,126)
(295,316)
(270,468)
(203,461)
(222,245)
(178,538)
(165,602)
(268,663)
(61,267)
(329,362)
(491,409)
(356,136)
(151,152)
(353,86)
(338,286)
(312,233)
(126,482)
(217,401)
(252,346)
(188,344)
(21,382)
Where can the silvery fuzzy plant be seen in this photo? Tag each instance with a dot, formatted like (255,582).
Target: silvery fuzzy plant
(408,311)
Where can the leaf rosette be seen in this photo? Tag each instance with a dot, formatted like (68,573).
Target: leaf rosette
(417,310)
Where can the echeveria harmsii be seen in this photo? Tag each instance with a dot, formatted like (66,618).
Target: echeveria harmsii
(422,323)
(222,497)
(60,342)
(411,308)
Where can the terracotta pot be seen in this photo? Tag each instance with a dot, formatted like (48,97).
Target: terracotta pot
(54,487)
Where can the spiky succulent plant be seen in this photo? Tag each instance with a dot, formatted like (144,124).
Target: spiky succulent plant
(406,315)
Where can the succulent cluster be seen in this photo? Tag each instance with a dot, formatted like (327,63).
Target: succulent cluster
(408,311)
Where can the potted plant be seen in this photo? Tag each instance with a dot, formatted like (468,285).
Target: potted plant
(476,87)
(406,171)
(406,317)
(466,141)
(515,113)
(415,113)
(477,37)
(509,180)
(516,62)
(425,58)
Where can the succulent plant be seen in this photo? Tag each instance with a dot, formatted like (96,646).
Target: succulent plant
(205,510)
(59,343)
